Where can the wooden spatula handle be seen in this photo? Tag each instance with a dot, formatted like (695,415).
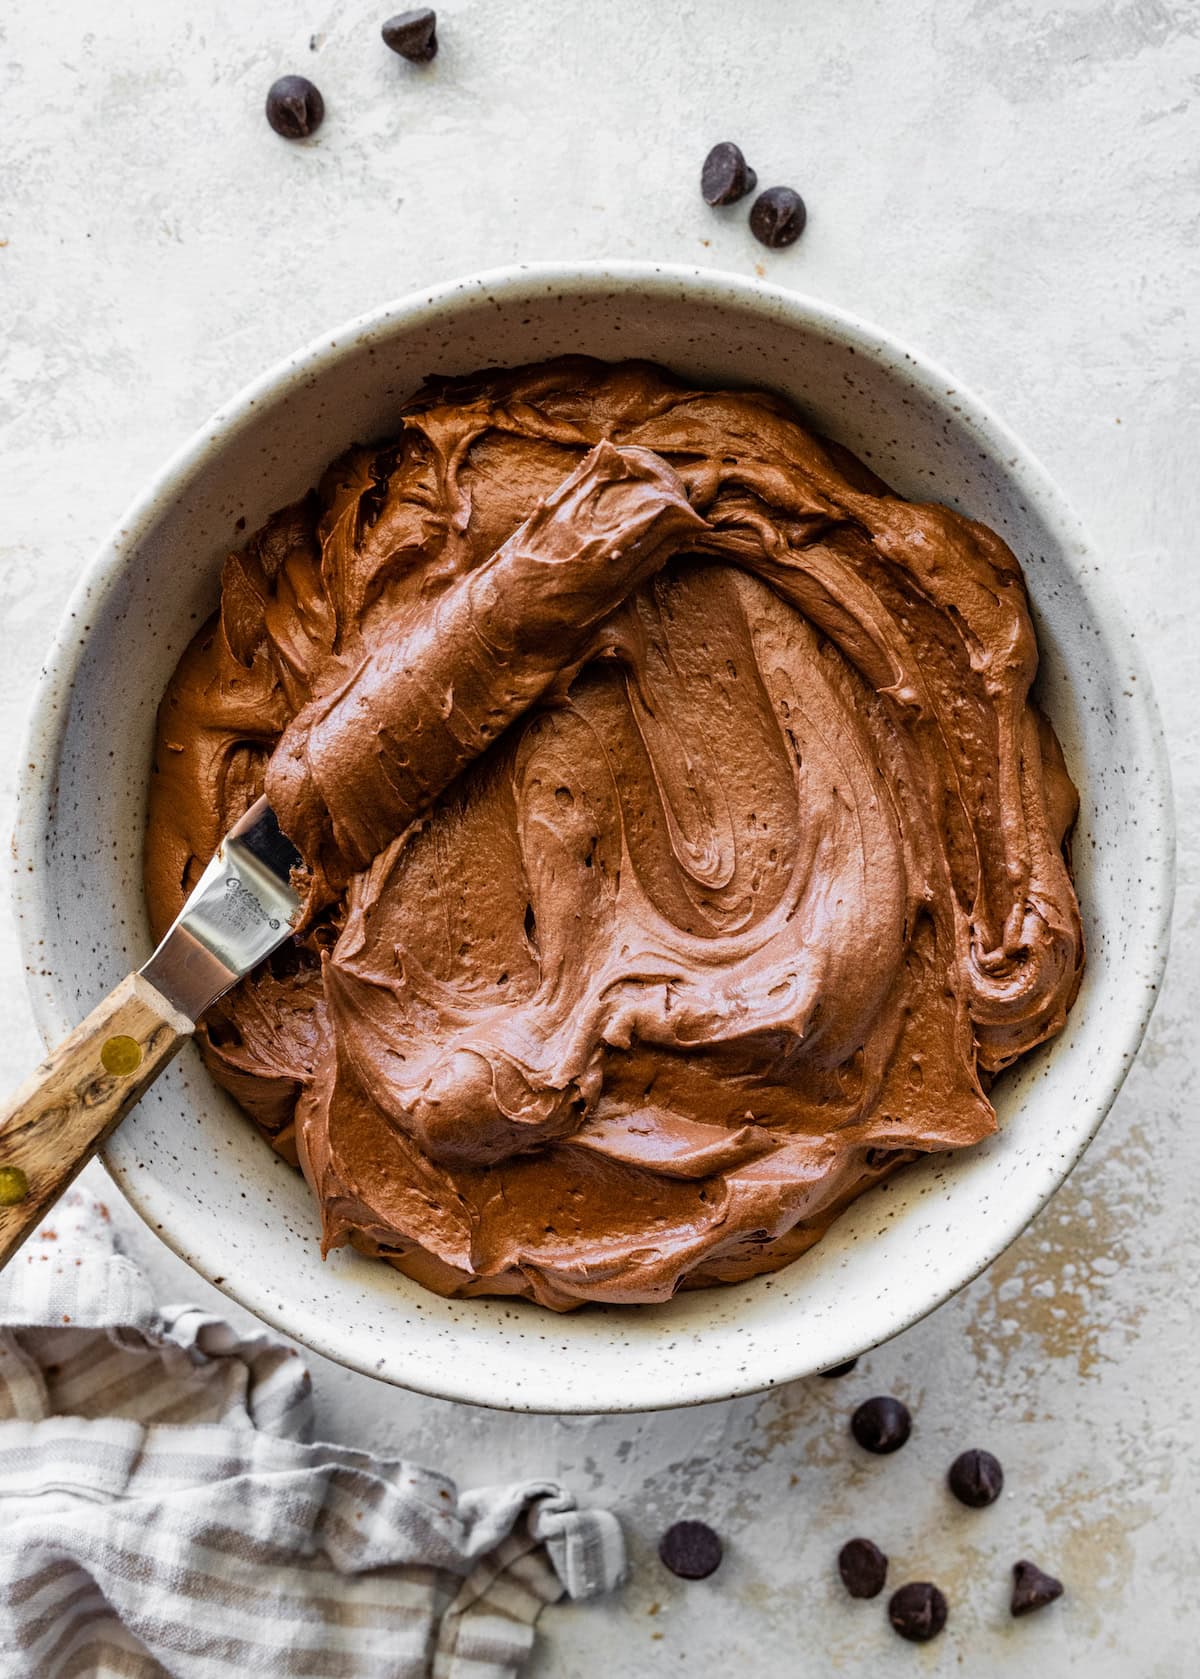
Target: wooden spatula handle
(51,1127)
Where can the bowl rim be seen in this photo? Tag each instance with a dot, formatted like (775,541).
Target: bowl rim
(45,728)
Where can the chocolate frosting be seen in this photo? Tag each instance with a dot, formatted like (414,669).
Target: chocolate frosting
(685,849)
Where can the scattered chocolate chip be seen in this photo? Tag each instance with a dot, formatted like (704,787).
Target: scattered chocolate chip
(838,1370)
(295,108)
(690,1549)
(726,176)
(863,1567)
(778,217)
(1032,1589)
(917,1611)
(976,1479)
(413,34)
(881,1424)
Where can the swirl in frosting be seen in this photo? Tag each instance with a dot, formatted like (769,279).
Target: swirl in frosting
(684,851)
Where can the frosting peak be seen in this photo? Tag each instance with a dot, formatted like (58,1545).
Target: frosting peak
(356,765)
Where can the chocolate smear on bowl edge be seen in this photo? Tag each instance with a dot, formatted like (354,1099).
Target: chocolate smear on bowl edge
(836,1370)
(691,1550)
(863,1567)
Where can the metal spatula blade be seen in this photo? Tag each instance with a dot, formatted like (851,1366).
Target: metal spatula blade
(242,908)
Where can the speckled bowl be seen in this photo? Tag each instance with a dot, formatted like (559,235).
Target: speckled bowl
(191,1163)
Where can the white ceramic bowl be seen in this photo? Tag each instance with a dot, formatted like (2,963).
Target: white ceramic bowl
(191,1163)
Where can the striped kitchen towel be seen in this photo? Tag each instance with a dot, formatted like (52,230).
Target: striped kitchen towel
(163,1509)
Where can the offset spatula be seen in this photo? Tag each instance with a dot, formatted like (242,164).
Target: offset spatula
(243,907)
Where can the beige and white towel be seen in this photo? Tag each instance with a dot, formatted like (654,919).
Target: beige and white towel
(163,1509)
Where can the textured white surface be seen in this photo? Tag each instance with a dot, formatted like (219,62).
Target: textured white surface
(1012,185)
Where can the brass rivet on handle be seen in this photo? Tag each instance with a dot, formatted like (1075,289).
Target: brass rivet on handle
(121,1056)
(14,1186)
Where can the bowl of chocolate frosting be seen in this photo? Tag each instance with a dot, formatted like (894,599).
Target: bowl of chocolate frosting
(736,836)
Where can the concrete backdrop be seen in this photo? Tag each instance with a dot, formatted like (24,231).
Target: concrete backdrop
(1012,184)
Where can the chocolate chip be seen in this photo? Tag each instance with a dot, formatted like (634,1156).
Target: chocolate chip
(726,176)
(917,1611)
(838,1369)
(295,108)
(778,217)
(881,1424)
(690,1549)
(976,1479)
(413,35)
(863,1567)
(1032,1589)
